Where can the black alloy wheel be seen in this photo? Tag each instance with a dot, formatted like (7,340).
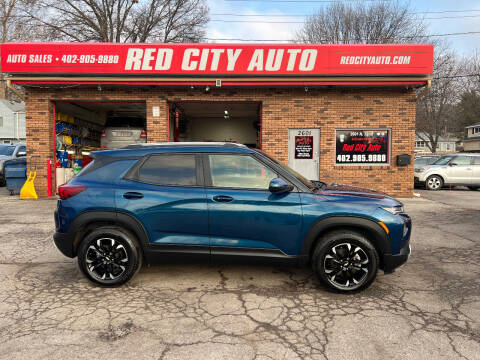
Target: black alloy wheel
(346,261)
(106,259)
(109,256)
(346,265)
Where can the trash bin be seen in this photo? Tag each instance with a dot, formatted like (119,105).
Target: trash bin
(15,175)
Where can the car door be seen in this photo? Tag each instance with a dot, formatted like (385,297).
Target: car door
(476,171)
(460,170)
(165,193)
(245,217)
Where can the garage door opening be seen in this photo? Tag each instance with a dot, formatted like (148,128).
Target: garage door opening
(238,122)
(85,126)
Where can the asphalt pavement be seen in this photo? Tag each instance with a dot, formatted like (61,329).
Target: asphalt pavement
(427,309)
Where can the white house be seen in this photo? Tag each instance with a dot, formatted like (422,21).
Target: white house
(12,122)
(472,142)
(445,144)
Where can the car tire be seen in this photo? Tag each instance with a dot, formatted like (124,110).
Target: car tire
(109,256)
(473,187)
(345,261)
(434,182)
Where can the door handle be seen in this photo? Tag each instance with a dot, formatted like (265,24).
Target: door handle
(132,195)
(222,198)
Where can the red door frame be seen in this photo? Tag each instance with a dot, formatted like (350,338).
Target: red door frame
(259,103)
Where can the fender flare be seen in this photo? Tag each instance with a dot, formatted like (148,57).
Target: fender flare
(80,224)
(378,236)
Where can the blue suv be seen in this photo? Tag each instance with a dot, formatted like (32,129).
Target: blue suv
(223,202)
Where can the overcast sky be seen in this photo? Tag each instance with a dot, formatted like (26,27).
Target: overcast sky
(283,11)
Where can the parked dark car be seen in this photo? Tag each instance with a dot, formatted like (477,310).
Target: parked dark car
(223,202)
(10,152)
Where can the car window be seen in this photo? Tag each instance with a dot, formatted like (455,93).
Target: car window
(443,160)
(421,161)
(22,149)
(178,169)
(239,171)
(476,160)
(462,160)
(7,150)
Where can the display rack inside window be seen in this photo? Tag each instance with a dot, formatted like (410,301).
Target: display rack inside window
(75,138)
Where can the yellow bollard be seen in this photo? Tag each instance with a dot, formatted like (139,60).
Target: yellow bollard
(28,189)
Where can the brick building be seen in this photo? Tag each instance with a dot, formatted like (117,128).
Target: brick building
(346,112)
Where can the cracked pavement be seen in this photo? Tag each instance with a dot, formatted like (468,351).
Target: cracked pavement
(427,309)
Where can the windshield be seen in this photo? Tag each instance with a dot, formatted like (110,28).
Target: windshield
(303,179)
(6,150)
(444,160)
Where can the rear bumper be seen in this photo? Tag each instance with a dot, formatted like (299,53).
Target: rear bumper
(418,182)
(64,243)
(391,262)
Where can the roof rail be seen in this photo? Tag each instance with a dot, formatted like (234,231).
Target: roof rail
(160,144)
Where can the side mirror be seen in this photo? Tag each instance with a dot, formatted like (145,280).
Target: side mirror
(452,164)
(21,153)
(279,186)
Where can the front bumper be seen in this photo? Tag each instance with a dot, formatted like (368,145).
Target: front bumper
(391,262)
(64,243)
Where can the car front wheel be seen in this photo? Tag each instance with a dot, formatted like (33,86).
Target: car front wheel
(434,182)
(345,261)
(474,187)
(109,256)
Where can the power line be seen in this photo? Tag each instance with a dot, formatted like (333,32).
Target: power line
(302,22)
(307,1)
(305,15)
(403,38)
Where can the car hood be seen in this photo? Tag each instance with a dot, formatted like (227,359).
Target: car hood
(431,166)
(5,157)
(348,190)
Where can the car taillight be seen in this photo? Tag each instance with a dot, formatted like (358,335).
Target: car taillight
(66,191)
(143,135)
(103,133)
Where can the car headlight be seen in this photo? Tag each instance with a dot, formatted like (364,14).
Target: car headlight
(422,169)
(394,210)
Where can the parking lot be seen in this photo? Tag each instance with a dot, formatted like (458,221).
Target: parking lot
(428,309)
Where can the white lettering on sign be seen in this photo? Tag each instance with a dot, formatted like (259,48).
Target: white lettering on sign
(206,59)
(308,60)
(256,63)
(374,60)
(292,58)
(232,58)
(164,59)
(188,64)
(274,60)
(134,59)
(16,59)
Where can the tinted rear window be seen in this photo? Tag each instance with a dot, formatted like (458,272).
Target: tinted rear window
(108,172)
(169,170)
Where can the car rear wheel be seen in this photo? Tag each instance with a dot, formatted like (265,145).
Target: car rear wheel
(109,256)
(345,261)
(474,187)
(434,182)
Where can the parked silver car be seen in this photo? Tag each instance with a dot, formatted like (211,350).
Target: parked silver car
(121,132)
(452,169)
(9,152)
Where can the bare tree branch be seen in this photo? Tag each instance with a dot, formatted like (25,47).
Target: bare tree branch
(120,20)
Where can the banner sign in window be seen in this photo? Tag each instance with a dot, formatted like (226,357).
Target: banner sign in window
(362,147)
(303,147)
